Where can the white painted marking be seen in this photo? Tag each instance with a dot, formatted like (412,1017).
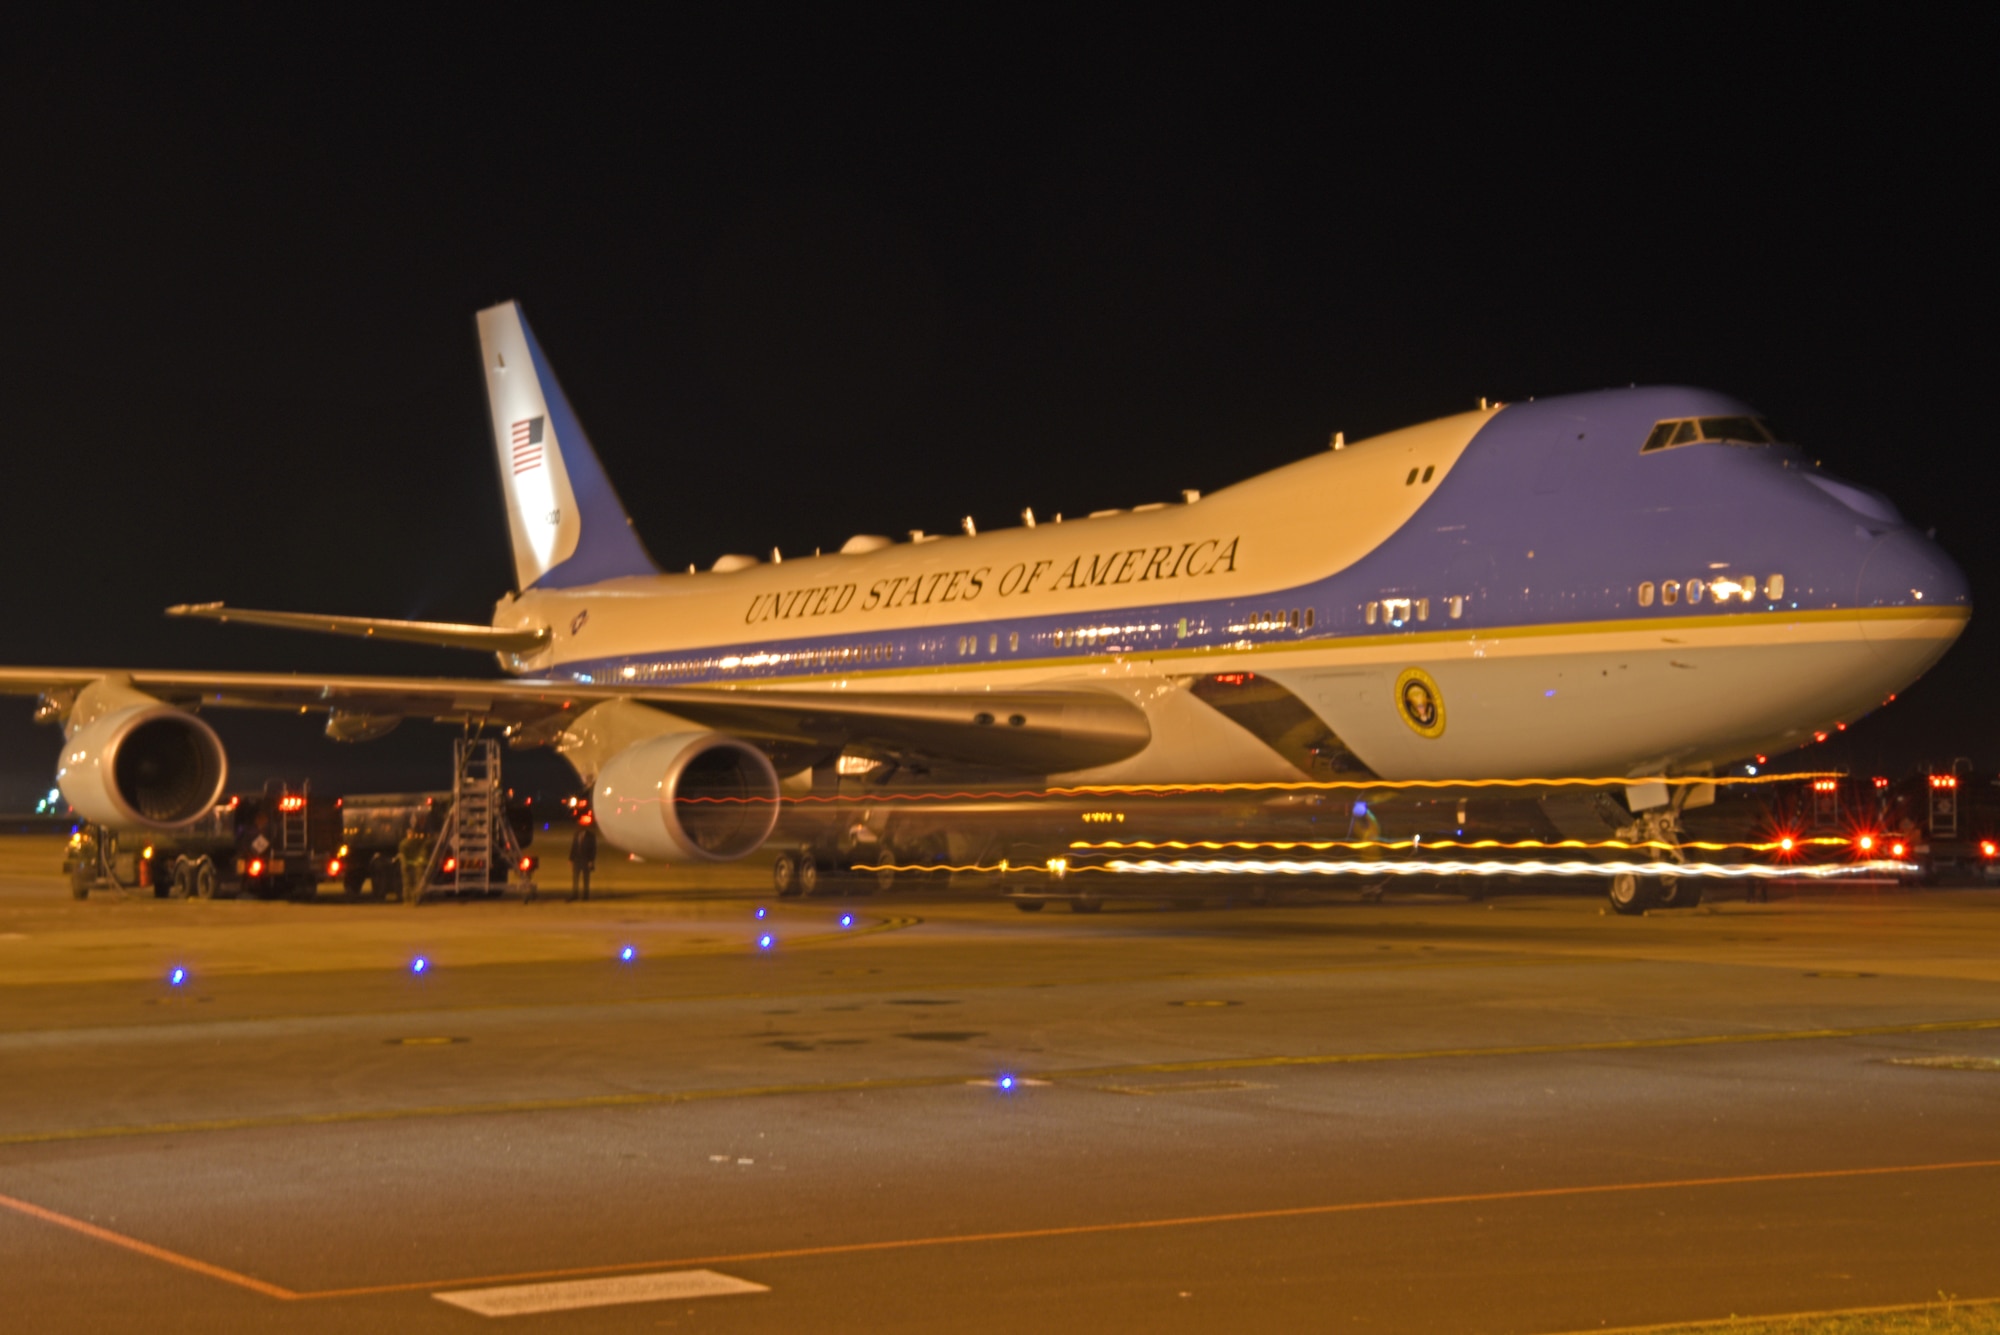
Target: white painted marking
(521,1299)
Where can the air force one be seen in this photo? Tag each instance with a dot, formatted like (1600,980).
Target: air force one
(1632,582)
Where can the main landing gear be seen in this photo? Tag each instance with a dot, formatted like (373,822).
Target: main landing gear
(1631,895)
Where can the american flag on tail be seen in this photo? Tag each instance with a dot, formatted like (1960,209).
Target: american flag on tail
(527,445)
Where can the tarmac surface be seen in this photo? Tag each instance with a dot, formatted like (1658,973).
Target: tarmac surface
(1522,1115)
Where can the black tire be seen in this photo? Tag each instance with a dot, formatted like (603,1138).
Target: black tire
(387,874)
(808,875)
(1030,905)
(1680,892)
(181,884)
(79,882)
(1086,904)
(785,874)
(206,881)
(354,879)
(1629,895)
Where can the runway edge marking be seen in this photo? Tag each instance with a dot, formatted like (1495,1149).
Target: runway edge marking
(1738,1322)
(588,1103)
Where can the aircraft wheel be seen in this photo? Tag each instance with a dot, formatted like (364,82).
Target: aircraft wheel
(1629,895)
(1680,892)
(1029,905)
(808,875)
(785,874)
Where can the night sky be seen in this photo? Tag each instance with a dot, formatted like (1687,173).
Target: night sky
(808,281)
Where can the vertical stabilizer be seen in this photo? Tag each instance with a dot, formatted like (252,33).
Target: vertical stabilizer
(565,520)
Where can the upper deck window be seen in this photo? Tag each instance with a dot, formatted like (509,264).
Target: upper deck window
(1720,430)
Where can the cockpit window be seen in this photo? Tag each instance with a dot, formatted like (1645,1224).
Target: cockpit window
(1743,430)
(1723,430)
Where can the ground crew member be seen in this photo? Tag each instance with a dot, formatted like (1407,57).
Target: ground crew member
(582,856)
(414,852)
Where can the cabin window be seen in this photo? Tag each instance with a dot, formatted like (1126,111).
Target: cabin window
(1013,640)
(1670,592)
(1423,609)
(1309,618)
(1695,589)
(1455,606)
(1372,611)
(1428,471)
(1774,587)
(1646,593)
(1411,480)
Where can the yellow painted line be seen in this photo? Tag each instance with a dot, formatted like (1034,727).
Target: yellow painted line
(146,1249)
(606,1101)
(1181,1221)
(270,1290)
(1940,1306)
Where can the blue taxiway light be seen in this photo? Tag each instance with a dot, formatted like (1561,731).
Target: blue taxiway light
(628,954)
(761,912)
(847,920)
(766,941)
(176,977)
(1005,1082)
(419,964)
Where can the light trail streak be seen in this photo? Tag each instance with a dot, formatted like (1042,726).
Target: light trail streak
(1361,867)
(1321,845)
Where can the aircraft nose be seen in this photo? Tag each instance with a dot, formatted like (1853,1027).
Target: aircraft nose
(1905,569)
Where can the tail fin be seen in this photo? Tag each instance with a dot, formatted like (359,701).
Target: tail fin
(567,525)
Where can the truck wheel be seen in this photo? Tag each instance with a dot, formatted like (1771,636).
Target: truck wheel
(785,874)
(1086,904)
(182,884)
(388,878)
(808,875)
(1629,895)
(1029,905)
(205,880)
(354,878)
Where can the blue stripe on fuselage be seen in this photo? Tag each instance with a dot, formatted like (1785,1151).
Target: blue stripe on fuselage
(1550,516)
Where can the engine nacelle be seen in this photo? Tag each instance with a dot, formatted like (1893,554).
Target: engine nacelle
(684,795)
(134,761)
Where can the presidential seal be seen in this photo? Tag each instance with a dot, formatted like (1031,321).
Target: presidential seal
(1419,703)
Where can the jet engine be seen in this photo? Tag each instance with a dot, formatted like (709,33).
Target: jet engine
(133,761)
(687,795)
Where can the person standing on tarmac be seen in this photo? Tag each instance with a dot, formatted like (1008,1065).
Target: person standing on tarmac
(582,856)
(414,853)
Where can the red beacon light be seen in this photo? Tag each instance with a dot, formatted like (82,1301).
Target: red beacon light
(256,866)
(1865,843)
(450,865)
(1825,785)
(1787,844)
(1881,782)
(291,802)
(333,866)
(1987,848)
(1944,781)
(1898,849)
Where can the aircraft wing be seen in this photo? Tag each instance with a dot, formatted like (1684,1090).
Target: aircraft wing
(1033,731)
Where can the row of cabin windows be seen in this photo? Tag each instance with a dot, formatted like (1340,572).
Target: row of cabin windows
(1282,620)
(969,644)
(1397,611)
(1722,588)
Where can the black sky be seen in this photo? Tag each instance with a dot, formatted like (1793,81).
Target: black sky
(807,281)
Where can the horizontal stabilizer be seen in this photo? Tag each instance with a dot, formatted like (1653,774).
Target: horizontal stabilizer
(444,634)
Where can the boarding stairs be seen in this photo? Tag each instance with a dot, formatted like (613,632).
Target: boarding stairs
(476,851)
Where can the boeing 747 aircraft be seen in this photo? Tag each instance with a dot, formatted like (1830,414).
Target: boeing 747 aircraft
(1632,582)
